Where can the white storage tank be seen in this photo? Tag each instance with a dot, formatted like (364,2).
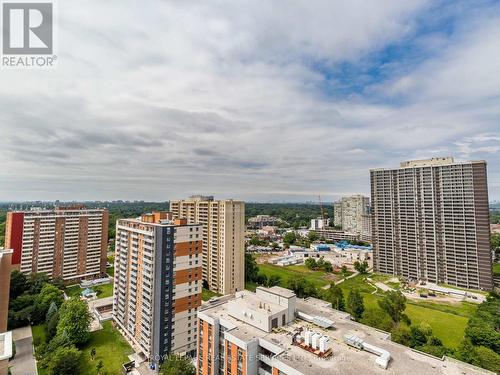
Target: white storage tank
(315,341)
(324,344)
(307,337)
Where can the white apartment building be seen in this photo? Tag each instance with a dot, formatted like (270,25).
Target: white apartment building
(349,211)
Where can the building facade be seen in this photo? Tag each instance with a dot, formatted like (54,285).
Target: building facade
(157,286)
(349,211)
(6,349)
(261,221)
(66,242)
(223,223)
(366,232)
(272,332)
(431,222)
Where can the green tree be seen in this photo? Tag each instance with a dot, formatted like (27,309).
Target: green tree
(355,304)
(49,294)
(377,318)
(36,281)
(251,268)
(51,326)
(312,236)
(419,335)
(401,334)
(18,284)
(311,263)
(261,279)
(344,270)
(74,321)
(335,295)
(302,288)
(177,365)
(64,361)
(273,280)
(328,266)
(488,359)
(290,238)
(362,268)
(394,303)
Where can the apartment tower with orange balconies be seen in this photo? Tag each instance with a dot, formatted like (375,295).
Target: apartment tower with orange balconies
(158,284)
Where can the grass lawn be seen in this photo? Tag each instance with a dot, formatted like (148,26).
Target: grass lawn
(73,291)
(293,272)
(103,291)
(207,294)
(496,269)
(448,321)
(111,348)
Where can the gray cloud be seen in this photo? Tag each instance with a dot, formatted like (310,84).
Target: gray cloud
(173,98)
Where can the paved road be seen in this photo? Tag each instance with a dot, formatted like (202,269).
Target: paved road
(23,363)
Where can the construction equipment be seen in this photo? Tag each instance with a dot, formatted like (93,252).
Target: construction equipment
(322,210)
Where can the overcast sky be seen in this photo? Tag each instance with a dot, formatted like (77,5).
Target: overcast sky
(256,100)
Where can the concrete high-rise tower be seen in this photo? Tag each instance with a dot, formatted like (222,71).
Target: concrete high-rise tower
(431,222)
(223,239)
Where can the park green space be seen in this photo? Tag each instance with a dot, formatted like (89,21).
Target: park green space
(111,348)
(293,272)
(448,320)
(103,291)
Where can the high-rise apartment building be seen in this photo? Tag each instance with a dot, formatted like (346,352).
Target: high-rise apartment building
(431,222)
(223,239)
(272,332)
(65,242)
(348,213)
(157,288)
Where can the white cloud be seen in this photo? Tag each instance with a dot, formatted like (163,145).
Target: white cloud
(162,100)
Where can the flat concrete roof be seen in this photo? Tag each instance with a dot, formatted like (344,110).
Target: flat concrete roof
(345,359)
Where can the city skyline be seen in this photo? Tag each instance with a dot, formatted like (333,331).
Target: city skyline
(225,98)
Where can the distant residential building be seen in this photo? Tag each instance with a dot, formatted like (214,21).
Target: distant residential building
(495,228)
(337,214)
(223,223)
(6,348)
(349,211)
(65,242)
(157,286)
(272,332)
(366,231)
(431,222)
(261,221)
(330,234)
(319,223)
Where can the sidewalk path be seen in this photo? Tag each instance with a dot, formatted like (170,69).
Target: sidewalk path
(24,362)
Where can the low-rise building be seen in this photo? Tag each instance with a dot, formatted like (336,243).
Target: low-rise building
(261,221)
(272,332)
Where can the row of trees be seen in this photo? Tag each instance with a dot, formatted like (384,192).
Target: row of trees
(481,345)
(30,298)
(320,264)
(67,331)
(35,300)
